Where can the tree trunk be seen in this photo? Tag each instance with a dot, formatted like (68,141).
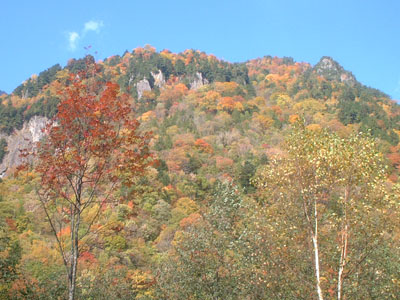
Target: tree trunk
(74,253)
(343,246)
(342,263)
(316,253)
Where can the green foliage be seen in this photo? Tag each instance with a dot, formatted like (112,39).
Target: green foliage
(217,250)
(46,107)
(12,249)
(32,87)
(192,165)
(179,228)
(78,65)
(10,117)
(13,118)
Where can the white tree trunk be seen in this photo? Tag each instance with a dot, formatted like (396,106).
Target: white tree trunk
(343,245)
(342,263)
(316,253)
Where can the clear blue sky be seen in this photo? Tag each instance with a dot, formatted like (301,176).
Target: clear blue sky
(362,35)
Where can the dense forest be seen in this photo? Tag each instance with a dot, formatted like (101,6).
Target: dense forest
(183,176)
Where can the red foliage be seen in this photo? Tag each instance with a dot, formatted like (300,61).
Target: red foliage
(203,146)
(12,225)
(94,137)
(87,257)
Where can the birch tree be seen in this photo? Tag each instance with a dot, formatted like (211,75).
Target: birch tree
(330,192)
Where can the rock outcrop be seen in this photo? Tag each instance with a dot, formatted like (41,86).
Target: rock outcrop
(331,70)
(159,79)
(24,138)
(198,81)
(141,86)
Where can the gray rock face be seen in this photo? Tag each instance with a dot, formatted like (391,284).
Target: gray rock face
(331,70)
(159,79)
(25,138)
(198,81)
(141,86)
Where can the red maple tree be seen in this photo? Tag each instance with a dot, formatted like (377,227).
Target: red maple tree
(91,147)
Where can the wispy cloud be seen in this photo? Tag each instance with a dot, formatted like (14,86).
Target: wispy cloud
(74,37)
(93,26)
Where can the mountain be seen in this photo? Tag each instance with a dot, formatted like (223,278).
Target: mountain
(181,228)
(2,93)
(331,70)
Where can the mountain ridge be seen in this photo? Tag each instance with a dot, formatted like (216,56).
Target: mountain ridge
(269,89)
(219,132)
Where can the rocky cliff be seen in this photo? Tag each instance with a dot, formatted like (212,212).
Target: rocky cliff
(24,138)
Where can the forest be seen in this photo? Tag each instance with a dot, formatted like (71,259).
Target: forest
(174,176)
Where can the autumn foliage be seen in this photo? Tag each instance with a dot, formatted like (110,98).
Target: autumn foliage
(91,147)
(240,204)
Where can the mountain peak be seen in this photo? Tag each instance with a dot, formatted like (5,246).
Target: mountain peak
(330,69)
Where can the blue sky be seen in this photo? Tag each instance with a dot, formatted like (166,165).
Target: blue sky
(362,35)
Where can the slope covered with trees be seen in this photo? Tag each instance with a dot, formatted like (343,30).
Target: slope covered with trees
(273,179)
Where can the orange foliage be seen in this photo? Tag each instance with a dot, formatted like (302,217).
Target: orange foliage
(203,146)
(293,119)
(175,92)
(226,103)
(394,156)
(314,127)
(66,231)
(223,162)
(276,109)
(190,220)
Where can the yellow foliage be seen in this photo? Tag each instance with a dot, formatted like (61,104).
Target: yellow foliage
(172,130)
(62,75)
(186,205)
(283,100)
(309,105)
(226,87)
(209,100)
(239,106)
(265,121)
(314,127)
(147,116)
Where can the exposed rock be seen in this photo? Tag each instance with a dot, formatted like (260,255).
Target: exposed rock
(198,81)
(2,93)
(141,86)
(159,79)
(24,138)
(332,70)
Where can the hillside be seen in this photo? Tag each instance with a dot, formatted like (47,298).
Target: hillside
(216,127)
